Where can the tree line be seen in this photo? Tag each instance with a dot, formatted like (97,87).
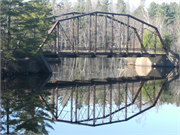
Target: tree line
(165,17)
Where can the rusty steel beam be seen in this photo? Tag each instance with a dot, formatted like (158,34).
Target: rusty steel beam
(56,102)
(110,102)
(140,99)
(54,42)
(112,19)
(142,46)
(53,96)
(132,90)
(49,32)
(95,33)
(141,84)
(58,39)
(120,37)
(88,100)
(94,98)
(154,89)
(134,39)
(71,103)
(69,14)
(104,103)
(72,48)
(126,100)
(76,103)
(162,42)
(163,85)
(119,22)
(107,13)
(127,34)
(65,34)
(89,33)
(105,34)
(155,43)
(41,98)
(142,36)
(148,95)
(118,95)
(77,35)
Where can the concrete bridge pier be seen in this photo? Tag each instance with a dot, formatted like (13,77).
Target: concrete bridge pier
(158,66)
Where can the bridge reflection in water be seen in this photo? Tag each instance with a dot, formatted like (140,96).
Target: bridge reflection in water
(96,102)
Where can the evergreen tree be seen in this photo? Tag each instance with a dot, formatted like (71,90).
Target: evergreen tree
(121,6)
(24,25)
(10,12)
(98,6)
(33,118)
(105,6)
(153,9)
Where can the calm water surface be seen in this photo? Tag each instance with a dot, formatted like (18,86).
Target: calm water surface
(93,96)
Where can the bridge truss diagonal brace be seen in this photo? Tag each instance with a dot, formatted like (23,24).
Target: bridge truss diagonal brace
(142,46)
(162,42)
(64,33)
(81,14)
(41,98)
(49,32)
(129,26)
(125,107)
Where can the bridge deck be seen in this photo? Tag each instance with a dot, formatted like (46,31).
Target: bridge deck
(74,83)
(98,54)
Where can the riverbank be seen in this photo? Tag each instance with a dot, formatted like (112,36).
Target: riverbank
(24,64)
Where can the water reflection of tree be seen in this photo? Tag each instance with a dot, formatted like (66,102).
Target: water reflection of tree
(85,68)
(169,95)
(24,112)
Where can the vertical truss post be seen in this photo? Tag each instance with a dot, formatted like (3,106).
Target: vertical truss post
(126,101)
(140,99)
(104,102)
(132,91)
(54,42)
(94,98)
(56,102)
(76,103)
(155,42)
(105,34)
(110,102)
(134,38)
(127,34)
(72,48)
(95,33)
(118,96)
(120,37)
(57,38)
(112,20)
(71,103)
(89,33)
(142,36)
(88,100)
(154,89)
(53,97)
(77,35)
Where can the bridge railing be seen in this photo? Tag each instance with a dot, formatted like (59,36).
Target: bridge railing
(103,32)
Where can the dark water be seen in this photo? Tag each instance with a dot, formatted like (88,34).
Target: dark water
(92,96)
